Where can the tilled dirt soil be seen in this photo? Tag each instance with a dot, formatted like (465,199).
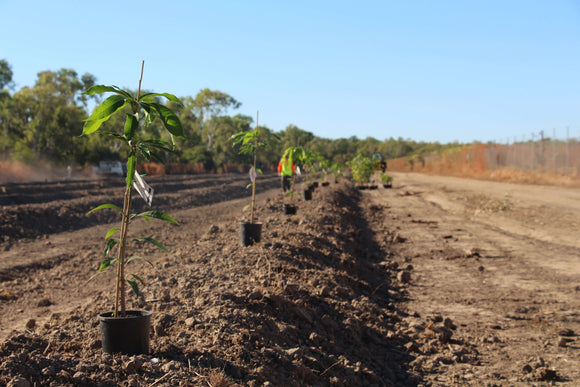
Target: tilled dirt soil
(437,281)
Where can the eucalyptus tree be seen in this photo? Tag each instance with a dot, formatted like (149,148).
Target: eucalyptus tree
(6,74)
(209,106)
(191,130)
(50,113)
(5,102)
(294,136)
(228,126)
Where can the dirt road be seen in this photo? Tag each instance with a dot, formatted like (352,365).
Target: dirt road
(437,281)
(502,261)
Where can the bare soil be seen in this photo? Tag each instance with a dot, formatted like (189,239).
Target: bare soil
(435,282)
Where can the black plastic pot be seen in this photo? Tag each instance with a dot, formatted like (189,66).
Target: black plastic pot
(128,335)
(307,194)
(325,183)
(250,233)
(388,185)
(315,184)
(289,209)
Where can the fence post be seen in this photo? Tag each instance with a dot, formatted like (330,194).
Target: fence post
(554,151)
(532,153)
(568,151)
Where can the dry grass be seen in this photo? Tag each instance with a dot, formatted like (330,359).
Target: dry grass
(477,170)
(218,378)
(539,177)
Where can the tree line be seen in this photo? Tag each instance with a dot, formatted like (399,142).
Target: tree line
(43,122)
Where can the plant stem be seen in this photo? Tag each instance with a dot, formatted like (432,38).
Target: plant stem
(253,196)
(292,190)
(120,289)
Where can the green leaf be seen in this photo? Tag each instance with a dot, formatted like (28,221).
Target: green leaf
(169,119)
(249,185)
(170,97)
(111,243)
(94,275)
(258,170)
(159,144)
(246,207)
(103,112)
(102,206)
(134,286)
(134,257)
(148,119)
(131,162)
(152,241)
(131,125)
(137,278)
(236,138)
(158,215)
(145,106)
(100,89)
(105,264)
(145,152)
(111,232)
(157,157)
(133,216)
(113,134)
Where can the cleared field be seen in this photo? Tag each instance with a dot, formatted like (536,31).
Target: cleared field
(438,281)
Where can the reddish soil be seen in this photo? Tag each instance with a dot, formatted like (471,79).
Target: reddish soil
(435,282)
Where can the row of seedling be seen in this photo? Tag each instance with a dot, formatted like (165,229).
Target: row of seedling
(128,331)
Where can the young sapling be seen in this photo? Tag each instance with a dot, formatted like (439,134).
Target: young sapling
(249,143)
(144,109)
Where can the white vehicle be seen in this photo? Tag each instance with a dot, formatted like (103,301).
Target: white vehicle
(110,168)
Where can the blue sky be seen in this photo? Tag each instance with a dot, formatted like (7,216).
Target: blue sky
(443,71)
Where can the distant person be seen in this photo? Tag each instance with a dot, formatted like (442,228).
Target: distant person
(286,169)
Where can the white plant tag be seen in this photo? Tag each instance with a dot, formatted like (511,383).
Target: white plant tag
(144,189)
(298,172)
(252,174)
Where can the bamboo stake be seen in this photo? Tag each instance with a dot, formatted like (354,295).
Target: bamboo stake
(256,177)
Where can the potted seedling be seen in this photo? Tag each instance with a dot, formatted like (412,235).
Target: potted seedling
(336,170)
(378,167)
(386,179)
(249,142)
(308,160)
(127,331)
(324,167)
(362,168)
(315,167)
(295,155)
